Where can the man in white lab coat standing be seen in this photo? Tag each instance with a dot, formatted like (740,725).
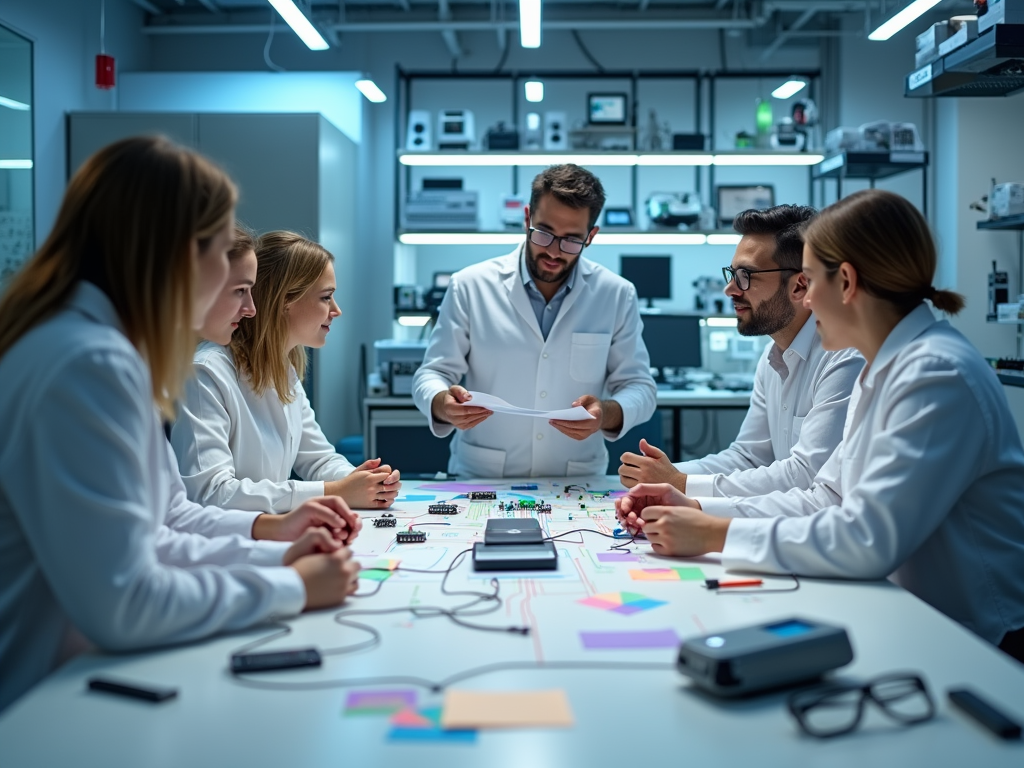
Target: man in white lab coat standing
(545,329)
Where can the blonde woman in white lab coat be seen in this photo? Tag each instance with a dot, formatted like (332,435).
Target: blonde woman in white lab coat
(94,342)
(929,480)
(245,422)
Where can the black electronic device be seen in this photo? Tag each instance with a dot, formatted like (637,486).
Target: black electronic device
(607,109)
(540,556)
(442,509)
(998,291)
(733,200)
(984,713)
(441,184)
(501,137)
(411,537)
(153,693)
(506,531)
(688,141)
(764,656)
(651,275)
(386,520)
(482,495)
(271,660)
(618,217)
(672,341)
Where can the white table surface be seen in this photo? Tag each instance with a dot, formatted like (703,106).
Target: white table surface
(623,717)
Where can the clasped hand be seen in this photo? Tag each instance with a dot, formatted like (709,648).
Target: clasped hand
(672,522)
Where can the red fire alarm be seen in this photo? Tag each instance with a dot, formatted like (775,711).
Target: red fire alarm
(104,71)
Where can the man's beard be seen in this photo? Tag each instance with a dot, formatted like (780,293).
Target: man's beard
(534,269)
(771,316)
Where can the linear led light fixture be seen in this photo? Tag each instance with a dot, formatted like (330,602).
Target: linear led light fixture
(741,158)
(507,159)
(460,238)
(902,19)
(12,104)
(724,239)
(649,238)
(529,23)
(534,90)
(789,88)
(370,90)
(721,322)
(413,321)
(15,165)
(675,159)
(300,25)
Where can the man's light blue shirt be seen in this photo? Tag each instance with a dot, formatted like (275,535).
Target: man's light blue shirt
(546,311)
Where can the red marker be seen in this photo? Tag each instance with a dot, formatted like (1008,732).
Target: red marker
(716,584)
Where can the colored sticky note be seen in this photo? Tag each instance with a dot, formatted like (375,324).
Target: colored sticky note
(379,702)
(689,573)
(379,570)
(425,725)
(417,497)
(658,638)
(617,557)
(626,603)
(506,709)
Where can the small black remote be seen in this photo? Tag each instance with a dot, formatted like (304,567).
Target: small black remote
(990,717)
(133,690)
(265,662)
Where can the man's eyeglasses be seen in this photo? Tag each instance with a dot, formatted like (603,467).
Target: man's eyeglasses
(835,709)
(742,275)
(568,245)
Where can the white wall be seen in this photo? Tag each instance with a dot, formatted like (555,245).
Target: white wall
(66,37)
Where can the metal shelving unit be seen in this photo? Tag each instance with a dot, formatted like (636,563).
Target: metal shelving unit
(1013,224)
(990,65)
(872,166)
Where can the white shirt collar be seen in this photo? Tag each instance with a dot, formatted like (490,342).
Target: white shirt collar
(909,328)
(95,304)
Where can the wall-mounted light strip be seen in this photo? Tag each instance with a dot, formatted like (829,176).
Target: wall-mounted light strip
(601,238)
(649,238)
(300,25)
(594,160)
(12,104)
(724,239)
(15,165)
(413,321)
(902,19)
(371,91)
(459,238)
(721,322)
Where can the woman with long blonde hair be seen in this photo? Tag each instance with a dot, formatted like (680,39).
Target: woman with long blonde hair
(930,473)
(245,424)
(96,340)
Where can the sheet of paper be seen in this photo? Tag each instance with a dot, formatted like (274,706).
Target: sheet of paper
(496,404)
(506,709)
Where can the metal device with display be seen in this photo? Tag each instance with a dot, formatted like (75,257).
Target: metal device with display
(672,341)
(441,204)
(607,109)
(733,200)
(674,209)
(650,275)
(417,134)
(514,544)
(397,362)
(455,129)
(618,217)
(764,656)
(513,211)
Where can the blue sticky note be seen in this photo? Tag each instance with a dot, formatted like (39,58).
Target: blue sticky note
(417,497)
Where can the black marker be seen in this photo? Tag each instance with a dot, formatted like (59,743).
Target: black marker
(985,713)
(153,693)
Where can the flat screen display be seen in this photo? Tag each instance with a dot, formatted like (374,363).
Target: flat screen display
(672,341)
(651,275)
(735,200)
(607,108)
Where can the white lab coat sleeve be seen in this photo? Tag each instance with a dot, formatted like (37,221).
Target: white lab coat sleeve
(915,469)
(752,446)
(88,514)
(821,432)
(446,359)
(317,459)
(629,380)
(200,439)
(824,491)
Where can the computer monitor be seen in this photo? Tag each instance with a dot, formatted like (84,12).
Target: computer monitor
(652,276)
(673,341)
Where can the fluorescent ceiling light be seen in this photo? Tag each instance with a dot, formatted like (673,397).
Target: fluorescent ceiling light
(666,159)
(529,23)
(534,90)
(302,26)
(789,88)
(459,238)
(902,19)
(741,158)
(721,322)
(649,238)
(15,165)
(414,321)
(370,90)
(12,104)
(724,239)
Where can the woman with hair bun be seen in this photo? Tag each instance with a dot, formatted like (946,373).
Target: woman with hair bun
(930,473)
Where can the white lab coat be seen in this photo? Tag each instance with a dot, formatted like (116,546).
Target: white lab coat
(237,449)
(85,489)
(928,487)
(487,331)
(795,421)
